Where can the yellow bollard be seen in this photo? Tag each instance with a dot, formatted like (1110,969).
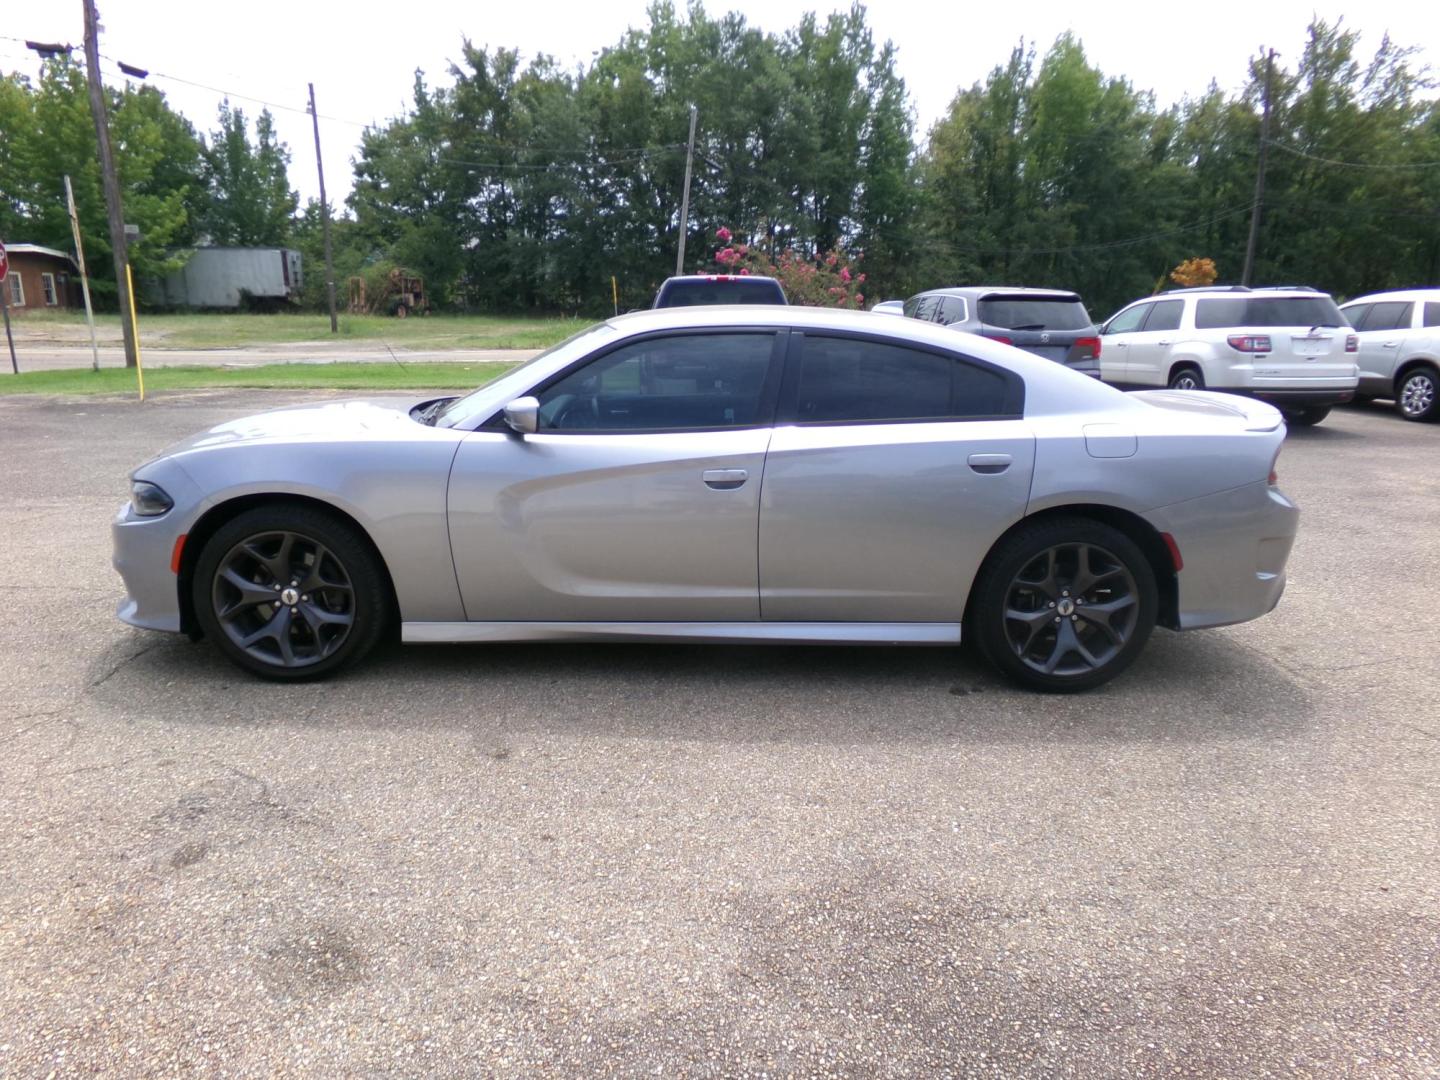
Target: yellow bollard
(615,293)
(135,330)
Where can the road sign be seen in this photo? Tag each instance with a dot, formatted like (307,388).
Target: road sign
(4,263)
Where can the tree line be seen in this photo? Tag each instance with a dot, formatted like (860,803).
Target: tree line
(526,187)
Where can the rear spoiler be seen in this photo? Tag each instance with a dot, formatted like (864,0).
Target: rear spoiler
(1258,415)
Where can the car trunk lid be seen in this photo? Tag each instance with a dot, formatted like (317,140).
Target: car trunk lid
(1246,413)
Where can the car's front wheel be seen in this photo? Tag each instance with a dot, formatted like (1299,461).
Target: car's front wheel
(1415,397)
(1065,604)
(290,593)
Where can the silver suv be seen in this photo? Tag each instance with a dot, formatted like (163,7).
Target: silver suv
(1399,349)
(1288,346)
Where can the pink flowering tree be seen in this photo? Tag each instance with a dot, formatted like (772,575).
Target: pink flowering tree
(831,280)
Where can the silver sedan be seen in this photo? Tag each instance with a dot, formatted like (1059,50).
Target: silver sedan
(724,475)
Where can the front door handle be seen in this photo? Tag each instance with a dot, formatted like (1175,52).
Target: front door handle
(724,479)
(988,464)
(1164,343)
(1392,344)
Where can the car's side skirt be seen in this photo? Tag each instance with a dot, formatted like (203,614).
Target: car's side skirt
(799,633)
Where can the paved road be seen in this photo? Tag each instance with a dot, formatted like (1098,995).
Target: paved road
(692,861)
(49,356)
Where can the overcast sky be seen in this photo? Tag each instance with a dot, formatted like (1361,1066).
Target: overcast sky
(362,55)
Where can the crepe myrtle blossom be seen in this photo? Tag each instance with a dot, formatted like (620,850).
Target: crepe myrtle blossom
(828,279)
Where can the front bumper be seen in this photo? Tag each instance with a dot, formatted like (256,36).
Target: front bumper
(1234,546)
(143,548)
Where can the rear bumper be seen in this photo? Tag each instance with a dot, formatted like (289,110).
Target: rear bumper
(1234,546)
(1299,398)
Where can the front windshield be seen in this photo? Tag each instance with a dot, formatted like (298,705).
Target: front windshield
(464,408)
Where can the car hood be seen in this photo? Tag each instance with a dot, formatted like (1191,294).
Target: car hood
(327,421)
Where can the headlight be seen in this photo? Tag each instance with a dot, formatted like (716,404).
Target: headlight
(149,500)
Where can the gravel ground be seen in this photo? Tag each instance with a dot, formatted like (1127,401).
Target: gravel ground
(707,861)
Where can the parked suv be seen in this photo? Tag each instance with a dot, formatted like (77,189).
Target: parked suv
(1288,346)
(1051,323)
(1399,349)
(694,290)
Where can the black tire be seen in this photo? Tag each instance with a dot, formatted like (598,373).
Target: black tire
(1417,394)
(1038,571)
(1187,378)
(1308,416)
(339,607)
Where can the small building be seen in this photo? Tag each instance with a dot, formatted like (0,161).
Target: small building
(231,277)
(41,277)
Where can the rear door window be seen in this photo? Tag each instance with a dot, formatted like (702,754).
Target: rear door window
(1165,315)
(856,380)
(1033,313)
(1432,313)
(952,310)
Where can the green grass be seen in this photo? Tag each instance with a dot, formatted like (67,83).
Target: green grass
(209,331)
(419,376)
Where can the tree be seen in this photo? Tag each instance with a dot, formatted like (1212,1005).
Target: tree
(250,201)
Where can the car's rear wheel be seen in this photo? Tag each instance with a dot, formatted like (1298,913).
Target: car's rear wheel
(290,593)
(1415,397)
(1065,604)
(1187,378)
(1308,416)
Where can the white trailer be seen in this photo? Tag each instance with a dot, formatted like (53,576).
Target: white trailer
(233,277)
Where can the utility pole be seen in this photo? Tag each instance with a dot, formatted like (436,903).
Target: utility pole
(84,275)
(1255,210)
(685,199)
(110,181)
(324,217)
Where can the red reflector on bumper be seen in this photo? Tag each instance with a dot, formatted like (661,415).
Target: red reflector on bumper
(177,553)
(1174,551)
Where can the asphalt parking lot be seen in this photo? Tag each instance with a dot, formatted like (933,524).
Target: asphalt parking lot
(703,861)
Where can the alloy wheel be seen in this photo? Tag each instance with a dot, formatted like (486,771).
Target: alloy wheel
(1071,609)
(284,598)
(1417,394)
(1186,380)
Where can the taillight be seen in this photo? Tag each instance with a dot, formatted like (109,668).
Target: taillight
(1091,343)
(1250,343)
(1274,463)
(1001,338)
(1352,343)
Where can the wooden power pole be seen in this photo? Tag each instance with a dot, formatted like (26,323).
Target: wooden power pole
(324,218)
(1255,210)
(685,198)
(110,181)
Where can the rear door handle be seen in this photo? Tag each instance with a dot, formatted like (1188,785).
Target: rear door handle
(1392,344)
(1163,343)
(988,464)
(724,479)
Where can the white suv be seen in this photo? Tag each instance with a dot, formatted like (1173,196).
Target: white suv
(1399,349)
(1288,346)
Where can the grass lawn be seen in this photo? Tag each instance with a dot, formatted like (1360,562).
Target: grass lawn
(209,331)
(439,376)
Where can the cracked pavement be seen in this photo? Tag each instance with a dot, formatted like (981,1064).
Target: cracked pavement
(705,861)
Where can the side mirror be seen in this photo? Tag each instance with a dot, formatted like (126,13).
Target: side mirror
(523,415)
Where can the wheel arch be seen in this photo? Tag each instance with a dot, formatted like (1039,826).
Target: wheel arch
(210,522)
(1145,536)
(1186,361)
(1409,364)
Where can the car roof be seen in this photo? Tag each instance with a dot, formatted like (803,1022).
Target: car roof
(1230,292)
(718,277)
(978,291)
(1394,294)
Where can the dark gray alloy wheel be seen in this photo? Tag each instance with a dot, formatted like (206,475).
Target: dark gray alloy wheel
(1187,378)
(1068,607)
(1416,396)
(289,593)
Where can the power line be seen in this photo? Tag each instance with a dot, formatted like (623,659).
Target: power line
(1353,164)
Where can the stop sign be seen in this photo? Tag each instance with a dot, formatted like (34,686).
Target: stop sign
(4,263)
